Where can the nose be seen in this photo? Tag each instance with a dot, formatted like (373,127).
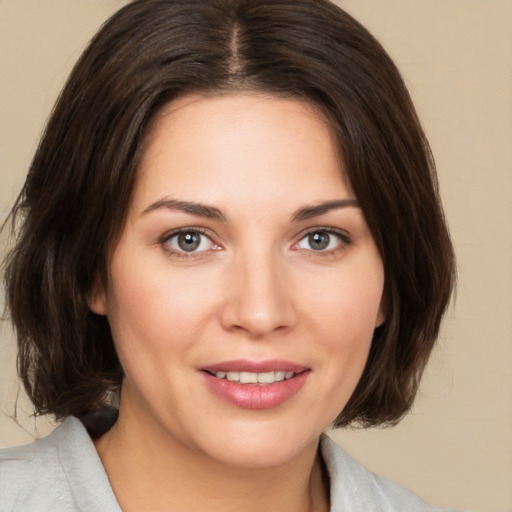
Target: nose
(259,297)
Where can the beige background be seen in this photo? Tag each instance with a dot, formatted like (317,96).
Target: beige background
(455,448)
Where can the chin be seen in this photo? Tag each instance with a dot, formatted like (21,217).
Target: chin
(259,446)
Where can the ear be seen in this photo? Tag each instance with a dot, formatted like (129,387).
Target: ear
(381,318)
(381,315)
(98,297)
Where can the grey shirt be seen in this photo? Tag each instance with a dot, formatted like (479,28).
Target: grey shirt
(63,472)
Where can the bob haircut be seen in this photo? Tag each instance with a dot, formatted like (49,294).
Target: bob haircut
(73,206)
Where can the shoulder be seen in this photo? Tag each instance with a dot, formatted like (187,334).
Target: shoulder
(56,473)
(354,488)
(32,474)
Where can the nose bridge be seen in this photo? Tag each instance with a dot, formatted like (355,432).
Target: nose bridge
(260,300)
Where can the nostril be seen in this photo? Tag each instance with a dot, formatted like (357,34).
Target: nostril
(259,302)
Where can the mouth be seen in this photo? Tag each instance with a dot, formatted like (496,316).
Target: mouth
(261,379)
(256,385)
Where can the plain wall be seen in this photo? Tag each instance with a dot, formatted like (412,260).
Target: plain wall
(455,448)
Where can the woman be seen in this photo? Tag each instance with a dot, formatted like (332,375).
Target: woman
(231,238)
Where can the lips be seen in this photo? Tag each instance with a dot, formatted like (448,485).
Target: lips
(255,384)
(246,365)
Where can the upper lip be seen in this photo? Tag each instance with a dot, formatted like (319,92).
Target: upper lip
(246,365)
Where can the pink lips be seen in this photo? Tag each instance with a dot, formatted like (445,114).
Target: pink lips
(254,396)
(245,365)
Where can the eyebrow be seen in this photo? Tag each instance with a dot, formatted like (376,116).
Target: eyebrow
(214,213)
(191,207)
(308,212)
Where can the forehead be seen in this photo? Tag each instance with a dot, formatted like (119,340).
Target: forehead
(246,144)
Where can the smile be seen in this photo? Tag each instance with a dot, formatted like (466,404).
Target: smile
(255,385)
(263,378)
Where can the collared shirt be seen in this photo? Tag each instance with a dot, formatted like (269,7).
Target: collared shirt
(63,473)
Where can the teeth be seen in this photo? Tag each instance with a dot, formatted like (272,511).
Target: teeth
(280,375)
(266,378)
(255,378)
(248,378)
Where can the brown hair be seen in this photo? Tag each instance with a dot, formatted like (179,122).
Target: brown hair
(79,185)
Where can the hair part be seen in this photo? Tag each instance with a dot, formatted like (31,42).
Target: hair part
(80,183)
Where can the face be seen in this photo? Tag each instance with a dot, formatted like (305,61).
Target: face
(245,287)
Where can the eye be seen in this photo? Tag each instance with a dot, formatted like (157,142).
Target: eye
(189,241)
(322,240)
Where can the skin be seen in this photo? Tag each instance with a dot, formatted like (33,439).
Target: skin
(254,289)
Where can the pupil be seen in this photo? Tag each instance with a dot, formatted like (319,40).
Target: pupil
(319,241)
(189,241)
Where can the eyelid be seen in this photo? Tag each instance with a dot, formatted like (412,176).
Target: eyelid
(164,239)
(173,232)
(344,237)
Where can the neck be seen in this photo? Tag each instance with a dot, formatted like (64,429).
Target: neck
(150,470)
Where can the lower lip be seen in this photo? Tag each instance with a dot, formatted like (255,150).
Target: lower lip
(252,396)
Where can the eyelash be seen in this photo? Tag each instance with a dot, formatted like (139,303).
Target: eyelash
(344,240)
(164,241)
(341,235)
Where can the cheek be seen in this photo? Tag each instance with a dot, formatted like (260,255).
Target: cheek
(346,306)
(344,330)
(157,310)
(343,313)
